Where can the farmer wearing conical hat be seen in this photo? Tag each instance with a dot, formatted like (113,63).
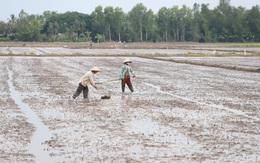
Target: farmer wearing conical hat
(85,81)
(125,77)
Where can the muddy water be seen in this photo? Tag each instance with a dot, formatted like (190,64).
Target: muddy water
(41,134)
(150,127)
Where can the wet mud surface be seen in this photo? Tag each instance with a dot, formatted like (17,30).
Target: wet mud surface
(253,62)
(178,112)
(87,51)
(119,48)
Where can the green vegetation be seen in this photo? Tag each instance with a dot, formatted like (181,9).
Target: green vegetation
(77,53)
(224,23)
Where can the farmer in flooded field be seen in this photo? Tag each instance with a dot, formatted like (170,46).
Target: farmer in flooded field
(125,77)
(85,81)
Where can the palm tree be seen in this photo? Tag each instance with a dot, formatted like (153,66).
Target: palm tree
(88,38)
(99,37)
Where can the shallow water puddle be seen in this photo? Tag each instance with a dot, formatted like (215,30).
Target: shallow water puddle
(160,133)
(41,134)
(162,138)
(238,112)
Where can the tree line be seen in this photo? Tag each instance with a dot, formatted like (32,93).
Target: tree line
(224,23)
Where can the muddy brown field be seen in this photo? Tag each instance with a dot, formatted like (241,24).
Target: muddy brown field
(178,113)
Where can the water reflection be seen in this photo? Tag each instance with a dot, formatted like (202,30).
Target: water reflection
(41,134)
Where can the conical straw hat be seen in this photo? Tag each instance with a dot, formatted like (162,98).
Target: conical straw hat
(95,68)
(127,61)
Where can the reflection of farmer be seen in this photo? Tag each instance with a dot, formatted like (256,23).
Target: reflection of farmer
(125,75)
(85,81)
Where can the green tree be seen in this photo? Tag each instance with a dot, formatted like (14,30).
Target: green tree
(137,17)
(53,28)
(28,27)
(129,35)
(195,26)
(163,22)
(100,37)
(185,20)
(98,21)
(118,22)
(224,23)
(224,11)
(238,27)
(79,27)
(47,15)
(3,31)
(253,23)
(88,37)
(109,20)
(149,24)
(11,27)
(173,19)
(205,24)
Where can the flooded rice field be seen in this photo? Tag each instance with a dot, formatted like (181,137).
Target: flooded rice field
(64,50)
(250,64)
(177,113)
(253,62)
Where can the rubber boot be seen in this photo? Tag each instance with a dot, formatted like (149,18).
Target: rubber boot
(85,94)
(75,94)
(131,89)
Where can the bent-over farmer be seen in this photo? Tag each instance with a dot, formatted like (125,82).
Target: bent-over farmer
(85,81)
(125,77)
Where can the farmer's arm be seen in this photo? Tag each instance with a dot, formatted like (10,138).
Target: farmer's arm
(91,80)
(132,71)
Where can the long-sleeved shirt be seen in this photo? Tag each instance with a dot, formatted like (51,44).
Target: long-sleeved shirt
(125,71)
(87,79)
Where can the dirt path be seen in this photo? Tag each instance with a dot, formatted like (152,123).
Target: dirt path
(178,112)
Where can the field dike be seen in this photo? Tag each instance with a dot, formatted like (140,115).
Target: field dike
(232,67)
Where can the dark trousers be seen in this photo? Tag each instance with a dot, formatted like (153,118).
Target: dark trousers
(79,90)
(127,81)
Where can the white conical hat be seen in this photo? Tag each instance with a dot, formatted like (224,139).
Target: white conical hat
(95,68)
(127,61)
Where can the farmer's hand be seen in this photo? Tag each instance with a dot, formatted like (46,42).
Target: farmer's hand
(134,76)
(96,87)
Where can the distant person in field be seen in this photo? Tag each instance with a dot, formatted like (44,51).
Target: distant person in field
(125,75)
(85,81)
